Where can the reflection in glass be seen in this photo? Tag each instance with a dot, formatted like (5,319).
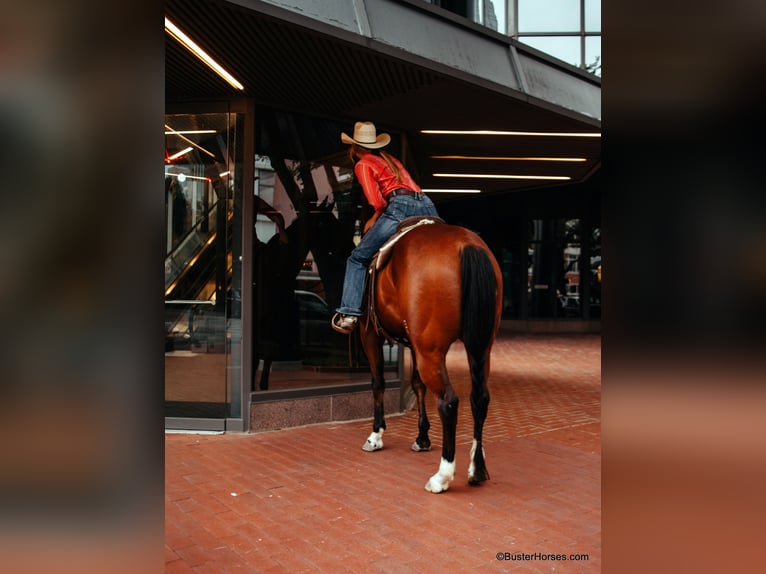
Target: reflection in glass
(309,211)
(553,271)
(493,15)
(595,274)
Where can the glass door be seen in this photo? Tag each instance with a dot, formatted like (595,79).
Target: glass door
(201,243)
(553,272)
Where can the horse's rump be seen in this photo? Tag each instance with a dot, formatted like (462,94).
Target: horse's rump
(421,287)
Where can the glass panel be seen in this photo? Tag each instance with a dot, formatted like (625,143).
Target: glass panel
(512,257)
(593,15)
(593,54)
(538,271)
(595,274)
(201,323)
(510,302)
(230,270)
(549,16)
(568,289)
(566,48)
(490,13)
(494,15)
(553,274)
(309,211)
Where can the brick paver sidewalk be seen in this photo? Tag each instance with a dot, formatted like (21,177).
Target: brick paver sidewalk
(310,500)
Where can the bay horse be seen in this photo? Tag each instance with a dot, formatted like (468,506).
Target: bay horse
(441,284)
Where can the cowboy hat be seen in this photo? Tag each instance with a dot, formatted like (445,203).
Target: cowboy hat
(364,135)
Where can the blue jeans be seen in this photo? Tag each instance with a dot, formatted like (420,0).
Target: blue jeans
(399,207)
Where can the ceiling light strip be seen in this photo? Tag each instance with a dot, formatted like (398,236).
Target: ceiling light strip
(180,153)
(174,31)
(187,140)
(497,158)
(505,133)
(170,131)
(504,176)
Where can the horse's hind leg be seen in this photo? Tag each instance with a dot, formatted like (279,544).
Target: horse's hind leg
(434,373)
(447,405)
(477,470)
(422,443)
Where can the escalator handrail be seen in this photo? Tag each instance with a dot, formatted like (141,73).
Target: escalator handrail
(193,229)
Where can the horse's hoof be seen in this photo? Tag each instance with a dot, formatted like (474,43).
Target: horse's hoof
(417,448)
(477,473)
(440,481)
(436,484)
(374,442)
(475,479)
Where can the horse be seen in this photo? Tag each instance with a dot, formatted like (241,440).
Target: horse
(441,283)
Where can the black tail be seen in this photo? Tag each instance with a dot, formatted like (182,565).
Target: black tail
(479,286)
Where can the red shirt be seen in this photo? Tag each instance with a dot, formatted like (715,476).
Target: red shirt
(378,180)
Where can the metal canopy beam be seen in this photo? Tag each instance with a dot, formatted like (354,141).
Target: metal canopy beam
(435,38)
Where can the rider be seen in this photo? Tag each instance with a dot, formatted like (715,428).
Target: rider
(394,195)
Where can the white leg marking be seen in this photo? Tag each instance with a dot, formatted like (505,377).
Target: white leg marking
(440,481)
(374,441)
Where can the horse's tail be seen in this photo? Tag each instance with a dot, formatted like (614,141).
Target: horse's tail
(479,300)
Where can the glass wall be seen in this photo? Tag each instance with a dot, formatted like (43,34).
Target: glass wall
(569,30)
(562,276)
(203,268)
(308,213)
(548,245)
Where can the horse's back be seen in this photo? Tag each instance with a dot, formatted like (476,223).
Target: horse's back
(439,239)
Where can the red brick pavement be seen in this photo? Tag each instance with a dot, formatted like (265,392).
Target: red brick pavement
(310,500)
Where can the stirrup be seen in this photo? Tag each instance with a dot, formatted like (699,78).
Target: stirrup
(343,323)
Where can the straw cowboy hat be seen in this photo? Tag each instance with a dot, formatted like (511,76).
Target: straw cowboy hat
(364,135)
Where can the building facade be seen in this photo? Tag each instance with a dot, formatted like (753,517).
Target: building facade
(262,208)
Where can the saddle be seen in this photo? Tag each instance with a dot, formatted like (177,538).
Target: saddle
(379,261)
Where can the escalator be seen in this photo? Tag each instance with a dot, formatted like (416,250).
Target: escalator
(198,275)
(193,282)
(189,236)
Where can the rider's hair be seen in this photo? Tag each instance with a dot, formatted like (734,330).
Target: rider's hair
(356,152)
